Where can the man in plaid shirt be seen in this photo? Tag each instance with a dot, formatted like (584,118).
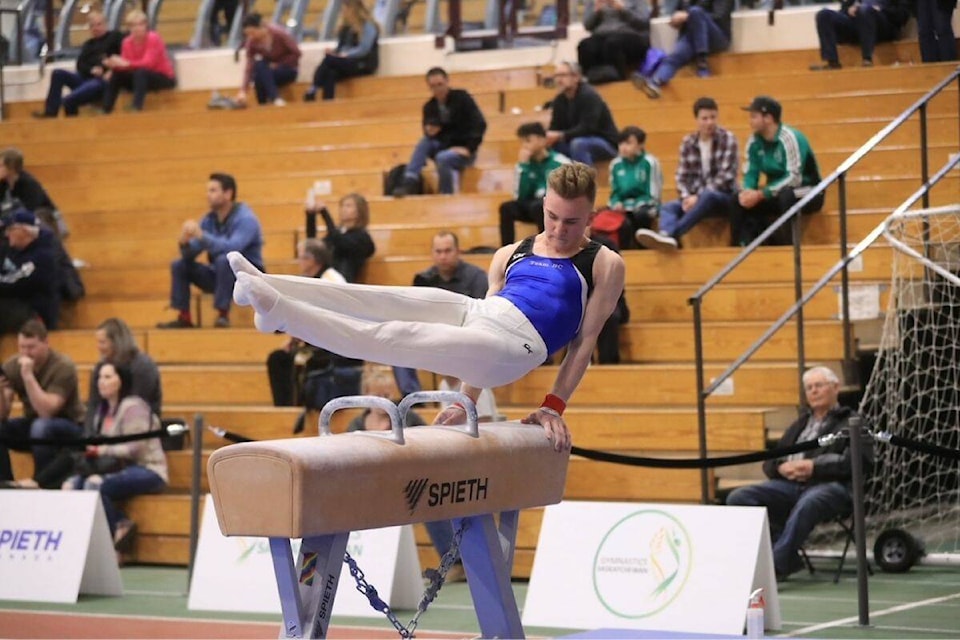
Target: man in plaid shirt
(706,180)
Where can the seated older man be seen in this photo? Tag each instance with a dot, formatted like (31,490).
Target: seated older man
(807,488)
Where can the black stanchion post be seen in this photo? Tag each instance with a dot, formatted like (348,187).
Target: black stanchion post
(859,519)
(195,492)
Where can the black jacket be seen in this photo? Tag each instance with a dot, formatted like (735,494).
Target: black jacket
(896,11)
(465,124)
(830,464)
(351,248)
(584,115)
(30,274)
(95,50)
(28,191)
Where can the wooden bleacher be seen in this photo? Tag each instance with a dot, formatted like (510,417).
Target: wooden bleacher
(129,195)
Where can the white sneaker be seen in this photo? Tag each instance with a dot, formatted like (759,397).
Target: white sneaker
(279,102)
(653,240)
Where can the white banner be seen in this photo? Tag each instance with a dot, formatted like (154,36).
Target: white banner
(236,573)
(54,545)
(656,567)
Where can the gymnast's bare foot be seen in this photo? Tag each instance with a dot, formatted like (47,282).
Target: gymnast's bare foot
(239,264)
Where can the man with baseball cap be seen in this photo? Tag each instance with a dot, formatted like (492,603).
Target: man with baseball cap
(783,156)
(29,285)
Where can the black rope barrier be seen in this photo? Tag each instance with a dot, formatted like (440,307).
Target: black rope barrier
(80,443)
(915,445)
(695,463)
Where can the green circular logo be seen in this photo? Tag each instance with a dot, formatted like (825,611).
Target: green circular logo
(642,564)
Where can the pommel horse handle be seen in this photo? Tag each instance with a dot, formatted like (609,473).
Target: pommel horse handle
(398,414)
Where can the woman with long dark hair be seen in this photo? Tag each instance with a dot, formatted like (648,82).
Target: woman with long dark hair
(121,471)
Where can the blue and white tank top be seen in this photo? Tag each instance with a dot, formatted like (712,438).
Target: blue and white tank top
(551,292)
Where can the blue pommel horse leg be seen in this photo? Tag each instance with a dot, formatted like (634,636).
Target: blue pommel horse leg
(321,489)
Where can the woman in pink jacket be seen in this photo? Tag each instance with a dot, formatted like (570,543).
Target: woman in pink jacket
(143,64)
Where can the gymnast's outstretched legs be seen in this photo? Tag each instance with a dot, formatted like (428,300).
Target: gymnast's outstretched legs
(485,343)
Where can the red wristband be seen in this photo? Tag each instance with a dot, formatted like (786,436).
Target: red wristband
(554,402)
(459,406)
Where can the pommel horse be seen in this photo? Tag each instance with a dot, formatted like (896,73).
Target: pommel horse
(321,489)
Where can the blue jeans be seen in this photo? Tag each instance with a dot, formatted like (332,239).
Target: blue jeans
(267,81)
(217,278)
(82,91)
(407,381)
(868,27)
(23,428)
(587,149)
(139,81)
(131,481)
(449,163)
(793,509)
(700,35)
(674,222)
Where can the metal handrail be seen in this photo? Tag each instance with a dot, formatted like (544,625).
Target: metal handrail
(793,215)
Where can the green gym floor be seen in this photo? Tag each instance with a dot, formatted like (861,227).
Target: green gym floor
(923,603)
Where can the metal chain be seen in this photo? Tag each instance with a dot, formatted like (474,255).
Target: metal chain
(435,576)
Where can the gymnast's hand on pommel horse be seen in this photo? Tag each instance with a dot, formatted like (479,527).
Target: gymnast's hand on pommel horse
(548,291)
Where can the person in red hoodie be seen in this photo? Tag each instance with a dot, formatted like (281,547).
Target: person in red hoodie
(143,64)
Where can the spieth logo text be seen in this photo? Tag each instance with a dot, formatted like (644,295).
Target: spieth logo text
(20,542)
(441,493)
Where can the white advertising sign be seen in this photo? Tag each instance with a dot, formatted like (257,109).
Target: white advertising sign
(55,545)
(236,573)
(651,566)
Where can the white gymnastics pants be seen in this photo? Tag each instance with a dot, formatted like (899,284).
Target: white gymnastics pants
(486,343)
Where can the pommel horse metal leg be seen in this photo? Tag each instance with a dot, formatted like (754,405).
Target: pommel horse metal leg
(307,488)
(307,590)
(488,561)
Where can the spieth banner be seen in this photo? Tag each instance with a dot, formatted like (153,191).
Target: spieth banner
(650,566)
(236,573)
(54,545)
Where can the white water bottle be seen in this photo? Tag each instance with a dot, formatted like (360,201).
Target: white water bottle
(755,615)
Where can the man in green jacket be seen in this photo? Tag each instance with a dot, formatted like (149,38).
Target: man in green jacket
(784,157)
(535,161)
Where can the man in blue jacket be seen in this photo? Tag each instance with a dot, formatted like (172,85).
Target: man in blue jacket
(229,226)
(29,284)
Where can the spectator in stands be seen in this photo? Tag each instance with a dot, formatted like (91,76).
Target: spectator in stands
(143,65)
(356,53)
(45,381)
(121,471)
(18,184)
(704,28)
(581,125)
(608,342)
(314,259)
(805,489)
(935,30)
(636,182)
(227,8)
(29,276)
(535,161)
(784,157)
(273,57)
(348,238)
(453,129)
(706,180)
(88,83)
(117,346)
(867,22)
(229,226)
(618,41)
(450,272)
